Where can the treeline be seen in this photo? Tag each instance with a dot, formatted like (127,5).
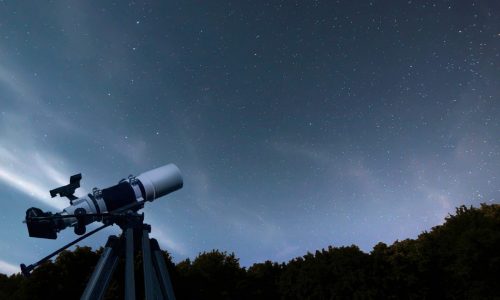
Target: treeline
(457,260)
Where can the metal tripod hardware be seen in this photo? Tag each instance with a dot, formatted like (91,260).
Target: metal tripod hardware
(135,236)
(117,204)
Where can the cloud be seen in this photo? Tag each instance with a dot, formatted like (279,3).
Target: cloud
(132,148)
(25,164)
(168,243)
(309,153)
(32,176)
(8,268)
(287,251)
(201,185)
(9,80)
(31,173)
(50,171)
(166,237)
(440,202)
(27,187)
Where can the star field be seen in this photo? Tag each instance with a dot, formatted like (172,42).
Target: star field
(296,124)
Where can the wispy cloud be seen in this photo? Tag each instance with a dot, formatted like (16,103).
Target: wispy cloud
(167,242)
(25,165)
(440,202)
(8,268)
(287,252)
(27,187)
(133,148)
(314,154)
(32,176)
(10,82)
(166,237)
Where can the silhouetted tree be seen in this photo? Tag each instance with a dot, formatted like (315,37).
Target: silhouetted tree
(465,252)
(262,281)
(212,275)
(11,287)
(332,273)
(457,260)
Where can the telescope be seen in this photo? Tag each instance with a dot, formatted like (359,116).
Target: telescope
(128,194)
(118,205)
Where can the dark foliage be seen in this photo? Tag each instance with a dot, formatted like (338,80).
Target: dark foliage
(457,260)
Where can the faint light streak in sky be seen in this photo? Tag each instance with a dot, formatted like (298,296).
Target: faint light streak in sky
(8,268)
(168,243)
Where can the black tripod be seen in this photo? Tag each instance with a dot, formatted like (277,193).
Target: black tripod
(135,234)
(134,237)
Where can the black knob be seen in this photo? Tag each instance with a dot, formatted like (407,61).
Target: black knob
(80,221)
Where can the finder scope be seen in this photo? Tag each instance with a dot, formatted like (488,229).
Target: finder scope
(128,195)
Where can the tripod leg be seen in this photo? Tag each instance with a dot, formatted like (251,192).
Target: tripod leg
(99,281)
(129,264)
(149,275)
(161,271)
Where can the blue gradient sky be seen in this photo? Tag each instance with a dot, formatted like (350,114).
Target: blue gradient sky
(297,125)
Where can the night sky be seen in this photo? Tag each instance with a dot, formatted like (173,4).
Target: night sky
(296,124)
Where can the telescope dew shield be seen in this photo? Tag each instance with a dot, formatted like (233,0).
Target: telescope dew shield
(160,181)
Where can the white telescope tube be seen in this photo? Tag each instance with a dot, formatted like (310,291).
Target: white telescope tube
(160,181)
